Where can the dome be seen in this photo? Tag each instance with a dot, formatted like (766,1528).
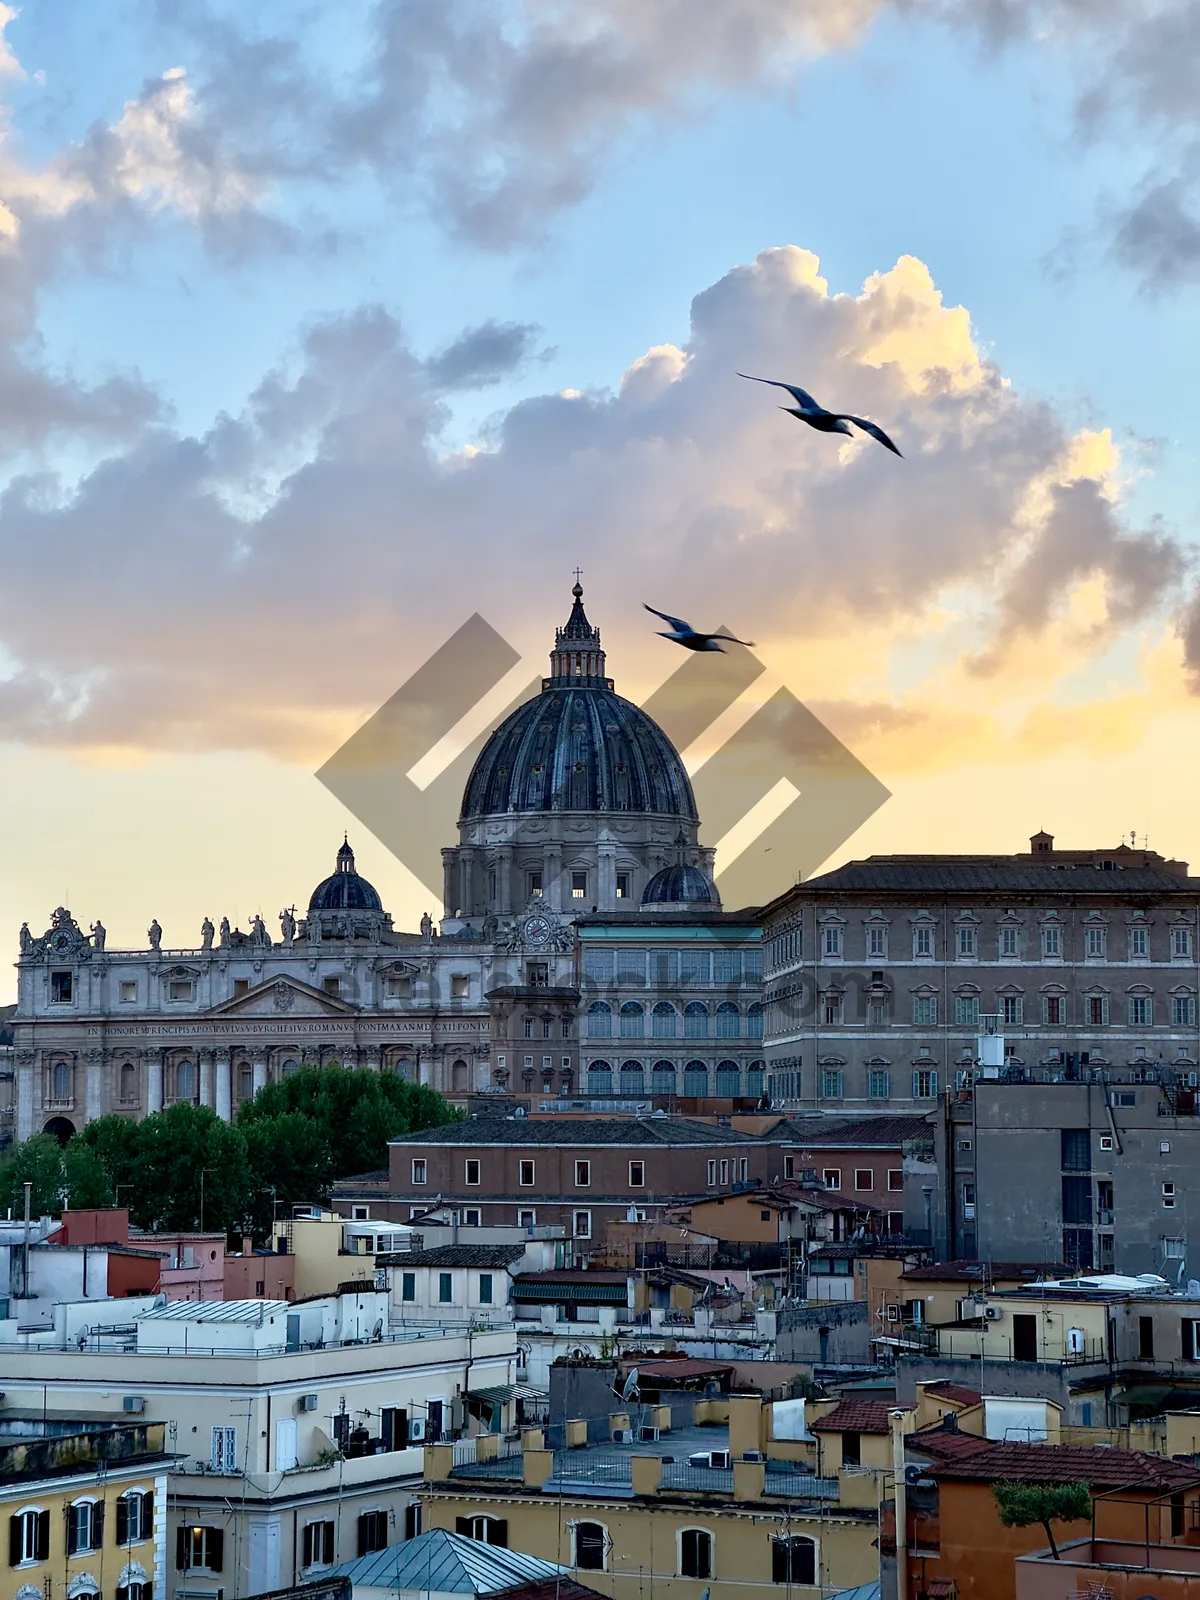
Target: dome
(345,891)
(578,745)
(678,884)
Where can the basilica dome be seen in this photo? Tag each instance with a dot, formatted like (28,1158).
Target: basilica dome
(678,885)
(345,890)
(578,745)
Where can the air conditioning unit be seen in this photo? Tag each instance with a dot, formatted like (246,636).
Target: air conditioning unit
(753,1455)
(622,1436)
(133,1402)
(306,1402)
(416,1430)
(992,1313)
(648,1435)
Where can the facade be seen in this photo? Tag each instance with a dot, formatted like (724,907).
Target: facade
(578,806)
(882,976)
(85,1506)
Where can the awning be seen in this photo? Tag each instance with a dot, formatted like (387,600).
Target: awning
(508,1391)
(1143,1394)
(570,1294)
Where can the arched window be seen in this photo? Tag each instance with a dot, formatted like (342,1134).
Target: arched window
(794,1560)
(290,1068)
(85,1528)
(695,1553)
(599,1078)
(459,1077)
(756,1078)
(695,1021)
(129,1084)
(633,1079)
(664,1019)
(185,1080)
(633,1021)
(590,1542)
(729,1021)
(662,1077)
(695,1079)
(246,1081)
(488,1530)
(60,1081)
(729,1078)
(754,1021)
(599,1020)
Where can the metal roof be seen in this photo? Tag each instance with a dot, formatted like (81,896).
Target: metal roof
(446,1562)
(253,1311)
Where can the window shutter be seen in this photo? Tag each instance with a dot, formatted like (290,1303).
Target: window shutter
(498,1532)
(72,1530)
(14,1541)
(306,1551)
(98,1525)
(146,1529)
(43,1536)
(123,1520)
(779,1562)
(804,1561)
(181,1549)
(216,1549)
(1189,1339)
(364,1543)
(463,1524)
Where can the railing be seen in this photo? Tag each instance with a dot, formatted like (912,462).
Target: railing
(466,1450)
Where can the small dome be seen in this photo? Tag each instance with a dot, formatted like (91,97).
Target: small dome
(678,884)
(345,891)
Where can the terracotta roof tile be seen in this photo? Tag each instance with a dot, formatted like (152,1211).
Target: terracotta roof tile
(964,1456)
(856,1416)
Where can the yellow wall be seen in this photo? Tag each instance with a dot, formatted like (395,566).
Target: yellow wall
(1053,1320)
(316,1244)
(105,1564)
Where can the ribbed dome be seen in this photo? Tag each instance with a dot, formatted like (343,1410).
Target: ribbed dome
(578,746)
(345,891)
(678,884)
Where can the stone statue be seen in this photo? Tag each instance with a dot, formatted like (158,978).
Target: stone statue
(287,923)
(258,930)
(206,934)
(426,926)
(26,939)
(155,935)
(224,930)
(99,934)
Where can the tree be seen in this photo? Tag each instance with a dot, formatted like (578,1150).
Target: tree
(88,1184)
(288,1160)
(39,1160)
(189,1171)
(114,1141)
(1022,1504)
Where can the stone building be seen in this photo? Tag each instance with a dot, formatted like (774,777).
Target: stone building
(578,805)
(888,979)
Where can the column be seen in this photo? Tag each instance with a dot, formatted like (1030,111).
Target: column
(224,1089)
(373,1058)
(505,907)
(425,1068)
(205,1058)
(93,1084)
(260,1069)
(154,1079)
(606,876)
(449,880)
(552,886)
(27,1081)
(466,886)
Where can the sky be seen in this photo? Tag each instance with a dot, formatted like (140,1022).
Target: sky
(323,329)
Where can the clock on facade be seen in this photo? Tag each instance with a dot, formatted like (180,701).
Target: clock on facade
(537,930)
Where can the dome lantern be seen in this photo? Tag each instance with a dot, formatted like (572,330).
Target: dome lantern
(577,656)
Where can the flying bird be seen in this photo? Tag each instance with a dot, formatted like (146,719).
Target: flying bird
(683,633)
(807,410)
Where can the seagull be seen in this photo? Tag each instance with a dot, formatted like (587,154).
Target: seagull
(683,633)
(807,410)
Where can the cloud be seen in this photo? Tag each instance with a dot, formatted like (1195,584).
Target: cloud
(265,584)
(483,355)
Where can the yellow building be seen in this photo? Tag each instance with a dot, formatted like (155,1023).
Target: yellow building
(729,1510)
(86,1509)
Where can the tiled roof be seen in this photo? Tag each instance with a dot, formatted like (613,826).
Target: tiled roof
(943,1389)
(963,1455)
(980,1272)
(826,1132)
(575,1275)
(455,1255)
(994,875)
(580,1131)
(856,1416)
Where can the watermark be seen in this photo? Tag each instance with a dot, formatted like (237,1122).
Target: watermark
(777,797)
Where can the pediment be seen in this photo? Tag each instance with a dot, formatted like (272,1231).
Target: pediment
(284,997)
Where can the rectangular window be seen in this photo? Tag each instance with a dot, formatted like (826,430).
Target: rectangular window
(331,985)
(471,1172)
(526,1219)
(924,1084)
(29,1537)
(877,942)
(1141,1011)
(598,967)
(631,967)
(925,1010)
(723,1167)
(181,989)
(637,1174)
(579,886)
(831,941)
(318,1544)
(879,1083)
(1139,943)
(1181,943)
(527,1027)
(533,883)
(711,1175)
(537,974)
(223,1450)
(1008,942)
(445,1288)
(1012,1010)
(1183,1010)
(527,1174)
(622,886)
(583,1174)
(895,1222)
(399,988)
(1168,1196)
(1054,1010)
(1145,1338)
(922,942)
(372,1532)
(694,968)
(895,1178)
(200,1547)
(419,1170)
(1051,941)
(1096,1009)
(1191,1339)
(1095,942)
(241,986)
(408,1287)
(128,991)
(864,1178)
(831,1083)
(1077,1201)
(460,986)
(832,1010)
(831,1177)
(966,941)
(485,1288)
(582,1227)
(966,1010)
(1076,1150)
(61,988)
(727,966)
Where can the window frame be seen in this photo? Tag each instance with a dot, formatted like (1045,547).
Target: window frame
(703,1564)
(525,1165)
(420,1172)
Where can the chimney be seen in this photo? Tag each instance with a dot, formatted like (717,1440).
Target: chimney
(950,1422)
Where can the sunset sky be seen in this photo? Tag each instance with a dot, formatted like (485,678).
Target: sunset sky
(323,328)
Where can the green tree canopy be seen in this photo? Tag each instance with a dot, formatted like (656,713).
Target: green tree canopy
(1022,1504)
(190,1171)
(289,1163)
(40,1160)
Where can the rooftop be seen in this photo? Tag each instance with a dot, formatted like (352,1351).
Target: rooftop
(576,1131)
(982,1272)
(856,1416)
(496,1256)
(965,1456)
(447,1563)
(996,875)
(957,1393)
(249,1311)
(827,1133)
